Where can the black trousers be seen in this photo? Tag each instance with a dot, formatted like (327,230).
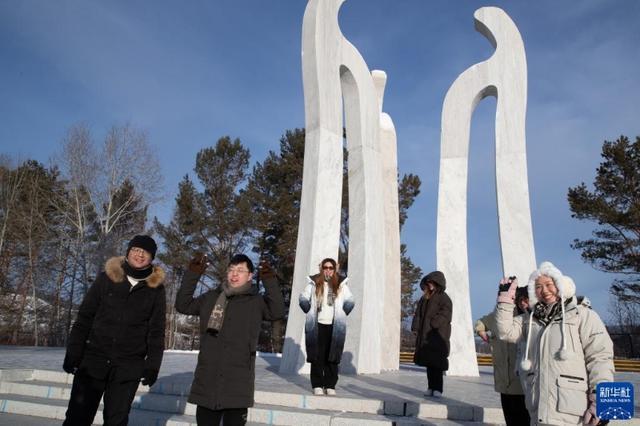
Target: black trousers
(324,374)
(86,392)
(514,410)
(434,379)
(230,416)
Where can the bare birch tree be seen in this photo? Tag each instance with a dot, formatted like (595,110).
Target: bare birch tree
(11,182)
(109,185)
(108,190)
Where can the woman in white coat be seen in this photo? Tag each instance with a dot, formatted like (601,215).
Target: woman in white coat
(567,351)
(327,301)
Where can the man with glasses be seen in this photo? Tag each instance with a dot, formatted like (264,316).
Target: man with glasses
(118,336)
(231,317)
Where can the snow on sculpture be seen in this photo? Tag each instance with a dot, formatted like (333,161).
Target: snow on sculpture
(504,76)
(335,76)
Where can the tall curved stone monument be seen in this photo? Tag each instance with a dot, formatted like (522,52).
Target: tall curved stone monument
(504,76)
(336,79)
(391,320)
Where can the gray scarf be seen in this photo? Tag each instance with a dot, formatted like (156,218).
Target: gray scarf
(546,313)
(330,296)
(217,314)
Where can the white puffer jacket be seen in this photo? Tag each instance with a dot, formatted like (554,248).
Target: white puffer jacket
(567,361)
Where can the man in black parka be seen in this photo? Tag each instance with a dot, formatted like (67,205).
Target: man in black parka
(118,336)
(230,320)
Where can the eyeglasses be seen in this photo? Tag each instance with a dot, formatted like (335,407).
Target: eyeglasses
(137,250)
(330,268)
(232,271)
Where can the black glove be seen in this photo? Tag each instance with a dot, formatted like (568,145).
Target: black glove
(149,376)
(507,290)
(70,364)
(266,271)
(198,264)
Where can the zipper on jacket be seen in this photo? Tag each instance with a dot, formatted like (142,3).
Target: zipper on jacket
(572,377)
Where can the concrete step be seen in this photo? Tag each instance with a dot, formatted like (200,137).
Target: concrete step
(7,419)
(50,408)
(171,399)
(136,417)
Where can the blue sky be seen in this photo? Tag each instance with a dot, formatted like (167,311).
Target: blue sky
(191,72)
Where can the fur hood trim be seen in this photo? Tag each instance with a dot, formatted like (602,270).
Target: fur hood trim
(566,290)
(115,272)
(565,285)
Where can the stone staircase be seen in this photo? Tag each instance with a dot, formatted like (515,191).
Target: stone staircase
(45,394)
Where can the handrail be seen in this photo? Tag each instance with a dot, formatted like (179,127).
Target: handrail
(621,365)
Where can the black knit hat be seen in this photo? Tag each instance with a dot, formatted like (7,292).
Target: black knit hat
(144,242)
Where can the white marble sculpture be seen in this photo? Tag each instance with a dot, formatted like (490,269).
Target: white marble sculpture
(335,76)
(503,75)
(391,321)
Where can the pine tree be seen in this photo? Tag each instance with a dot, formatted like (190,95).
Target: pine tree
(408,190)
(614,205)
(212,216)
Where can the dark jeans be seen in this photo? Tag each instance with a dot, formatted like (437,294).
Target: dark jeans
(230,416)
(434,379)
(86,392)
(324,374)
(514,410)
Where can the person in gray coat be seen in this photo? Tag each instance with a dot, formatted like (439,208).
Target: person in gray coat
(230,320)
(505,364)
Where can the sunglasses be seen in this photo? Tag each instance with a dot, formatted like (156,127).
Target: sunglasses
(331,268)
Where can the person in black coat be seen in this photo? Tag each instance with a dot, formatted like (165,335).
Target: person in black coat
(118,336)
(230,320)
(432,325)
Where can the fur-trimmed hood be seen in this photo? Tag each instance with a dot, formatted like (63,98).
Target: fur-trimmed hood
(115,272)
(565,285)
(566,291)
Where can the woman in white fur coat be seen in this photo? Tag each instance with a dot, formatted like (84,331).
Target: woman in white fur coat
(567,351)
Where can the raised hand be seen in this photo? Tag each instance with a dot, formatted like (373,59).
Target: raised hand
(198,264)
(266,270)
(507,290)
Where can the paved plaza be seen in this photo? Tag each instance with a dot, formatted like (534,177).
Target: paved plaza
(407,384)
